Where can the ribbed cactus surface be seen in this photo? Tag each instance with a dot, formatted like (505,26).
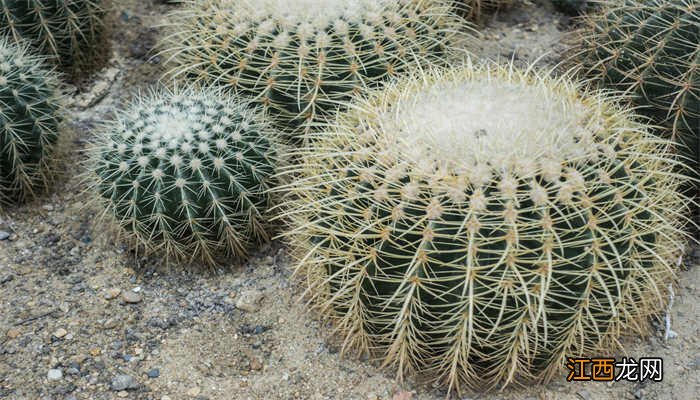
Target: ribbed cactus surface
(479,225)
(30,116)
(303,58)
(69,32)
(185,173)
(650,49)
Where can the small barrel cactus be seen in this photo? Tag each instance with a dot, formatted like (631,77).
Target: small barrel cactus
(650,49)
(479,225)
(69,32)
(30,118)
(186,173)
(301,59)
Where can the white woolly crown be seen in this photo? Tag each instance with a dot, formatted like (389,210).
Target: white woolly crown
(463,122)
(318,13)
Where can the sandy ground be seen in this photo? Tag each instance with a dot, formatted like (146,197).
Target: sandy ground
(116,326)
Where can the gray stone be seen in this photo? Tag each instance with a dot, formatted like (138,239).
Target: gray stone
(153,373)
(124,382)
(4,235)
(54,375)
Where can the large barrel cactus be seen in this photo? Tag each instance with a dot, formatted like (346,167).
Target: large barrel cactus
(186,173)
(303,58)
(69,32)
(30,118)
(479,225)
(650,49)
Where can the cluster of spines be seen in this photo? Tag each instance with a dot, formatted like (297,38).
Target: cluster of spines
(186,173)
(650,50)
(30,121)
(69,33)
(481,283)
(302,68)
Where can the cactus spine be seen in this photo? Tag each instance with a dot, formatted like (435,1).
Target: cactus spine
(68,32)
(30,117)
(650,50)
(186,173)
(485,245)
(301,59)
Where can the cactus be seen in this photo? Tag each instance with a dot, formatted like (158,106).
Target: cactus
(186,173)
(650,50)
(474,9)
(69,32)
(301,59)
(484,245)
(30,117)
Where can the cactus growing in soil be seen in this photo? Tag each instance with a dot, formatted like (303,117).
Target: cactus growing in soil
(479,225)
(30,118)
(69,32)
(303,58)
(186,173)
(650,50)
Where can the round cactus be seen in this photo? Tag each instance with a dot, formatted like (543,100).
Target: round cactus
(30,117)
(479,225)
(650,50)
(69,32)
(186,173)
(303,58)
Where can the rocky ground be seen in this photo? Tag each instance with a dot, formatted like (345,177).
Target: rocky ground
(83,318)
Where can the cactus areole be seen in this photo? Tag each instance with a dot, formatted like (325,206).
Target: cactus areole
(302,59)
(479,225)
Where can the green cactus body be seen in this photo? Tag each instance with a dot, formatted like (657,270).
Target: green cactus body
(69,32)
(186,173)
(30,116)
(650,49)
(303,58)
(486,243)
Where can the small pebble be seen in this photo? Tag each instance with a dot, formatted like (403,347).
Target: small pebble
(13,333)
(124,382)
(132,297)
(194,392)
(153,373)
(112,293)
(54,375)
(60,333)
(255,364)
(4,235)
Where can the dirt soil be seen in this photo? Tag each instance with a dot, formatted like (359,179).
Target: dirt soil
(83,318)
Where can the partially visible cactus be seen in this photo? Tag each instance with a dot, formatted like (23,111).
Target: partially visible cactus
(30,117)
(186,173)
(479,225)
(650,50)
(69,32)
(303,58)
